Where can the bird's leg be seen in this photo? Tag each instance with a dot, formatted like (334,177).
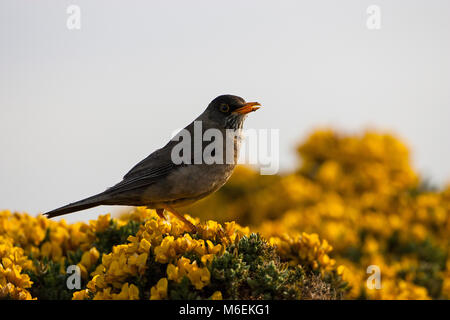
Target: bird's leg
(182,218)
(160,213)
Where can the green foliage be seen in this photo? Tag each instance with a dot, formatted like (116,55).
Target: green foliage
(251,269)
(248,269)
(183,291)
(48,282)
(113,236)
(431,262)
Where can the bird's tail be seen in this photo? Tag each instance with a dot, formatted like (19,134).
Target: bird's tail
(87,203)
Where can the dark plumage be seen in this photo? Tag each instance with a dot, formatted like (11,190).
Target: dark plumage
(159,183)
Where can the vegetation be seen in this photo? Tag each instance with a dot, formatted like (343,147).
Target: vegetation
(354,203)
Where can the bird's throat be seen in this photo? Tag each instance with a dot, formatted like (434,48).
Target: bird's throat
(234,121)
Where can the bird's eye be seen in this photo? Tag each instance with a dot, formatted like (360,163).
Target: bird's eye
(224,108)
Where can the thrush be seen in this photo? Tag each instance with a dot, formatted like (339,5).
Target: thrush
(174,177)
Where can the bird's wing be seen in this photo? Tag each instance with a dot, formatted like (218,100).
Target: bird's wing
(147,178)
(156,166)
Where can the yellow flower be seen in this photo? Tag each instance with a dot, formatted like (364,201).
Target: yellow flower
(104,294)
(101,224)
(207,258)
(216,295)
(166,250)
(159,291)
(213,249)
(144,246)
(81,295)
(329,172)
(83,270)
(90,257)
(199,277)
(98,281)
(172,272)
(139,261)
(46,249)
(340,270)
(128,292)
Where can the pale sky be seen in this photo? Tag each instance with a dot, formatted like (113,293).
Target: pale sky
(78,108)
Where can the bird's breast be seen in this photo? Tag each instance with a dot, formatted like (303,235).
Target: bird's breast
(188,184)
(210,168)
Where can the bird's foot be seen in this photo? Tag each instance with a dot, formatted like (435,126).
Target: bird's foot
(190,225)
(160,213)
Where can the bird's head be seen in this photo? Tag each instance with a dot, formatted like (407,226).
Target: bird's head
(230,111)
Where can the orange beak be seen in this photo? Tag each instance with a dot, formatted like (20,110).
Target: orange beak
(247,108)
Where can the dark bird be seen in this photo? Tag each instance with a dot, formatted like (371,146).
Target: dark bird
(163,182)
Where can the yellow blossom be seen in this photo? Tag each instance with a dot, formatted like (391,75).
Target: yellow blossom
(159,291)
(217,295)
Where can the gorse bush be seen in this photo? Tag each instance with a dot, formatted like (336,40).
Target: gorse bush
(360,193)
(141,256)
(354,202)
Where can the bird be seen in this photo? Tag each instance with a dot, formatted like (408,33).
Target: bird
(164,183)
